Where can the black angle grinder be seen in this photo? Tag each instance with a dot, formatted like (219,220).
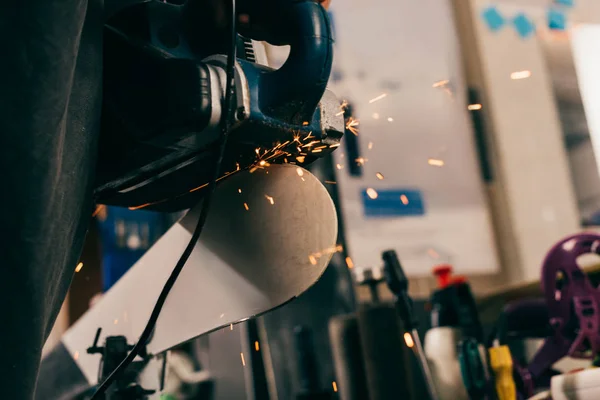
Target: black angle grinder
(164,85)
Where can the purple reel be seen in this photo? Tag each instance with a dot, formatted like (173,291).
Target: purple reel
(569,294)
(573,307)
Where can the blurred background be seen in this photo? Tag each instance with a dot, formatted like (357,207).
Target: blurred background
(472,133)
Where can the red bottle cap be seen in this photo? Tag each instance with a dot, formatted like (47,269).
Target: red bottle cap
(459,279)
(443,273)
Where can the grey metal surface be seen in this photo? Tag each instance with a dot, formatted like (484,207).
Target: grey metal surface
(246,263)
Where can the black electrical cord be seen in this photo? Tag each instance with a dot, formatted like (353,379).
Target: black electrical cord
(225,123)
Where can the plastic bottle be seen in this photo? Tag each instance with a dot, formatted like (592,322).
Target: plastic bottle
(453,318)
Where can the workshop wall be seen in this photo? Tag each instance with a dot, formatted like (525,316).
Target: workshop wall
(419,190)
(532,195)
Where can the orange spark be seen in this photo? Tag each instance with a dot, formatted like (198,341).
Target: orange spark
(334,384)
(243,361)
(349,263)
(351,125)
(372,193)
(370,146)
(79,266)
(404,199)
(98,209)
(256,346)
(435,162)
(246,206)
(381,96)
(408,340)
(271,200)
(339,166)
(520,75)
(474,107)
(379,176)
(432,253)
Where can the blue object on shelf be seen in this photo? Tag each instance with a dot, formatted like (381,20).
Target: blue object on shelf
(566,3)
(523,25)
(494,20)
(557,19)
(393,203)
(126,235)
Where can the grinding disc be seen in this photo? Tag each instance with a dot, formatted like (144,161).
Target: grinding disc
(269,237)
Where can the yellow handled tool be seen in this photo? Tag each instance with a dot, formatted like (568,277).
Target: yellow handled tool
(502,365)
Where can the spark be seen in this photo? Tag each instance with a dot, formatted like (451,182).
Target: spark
(339,166)
(370,146)
(361,161)
(243,361)
(271,200)
(305,123)
(331,146)
(375,116)
(76,356)
(246,206)
(351,125)
(300,171)
(140,206)
(331,250)
(222,315)
(98,209)
(390,119)
(230,327)
(331,182)
(310,144)
(381,96)
(256,346)
(334,384)
(520,75)
(79,266)
(474,107)
(278,153)
(441,83)
(404,199)
(239,190)
(408,340)
(303,180)
(379,176)
(372,193)
(432,253)
(116,321)
(435,162)
(349,263)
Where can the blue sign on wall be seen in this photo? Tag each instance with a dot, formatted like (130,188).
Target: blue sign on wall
(126,236)
(393,203)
